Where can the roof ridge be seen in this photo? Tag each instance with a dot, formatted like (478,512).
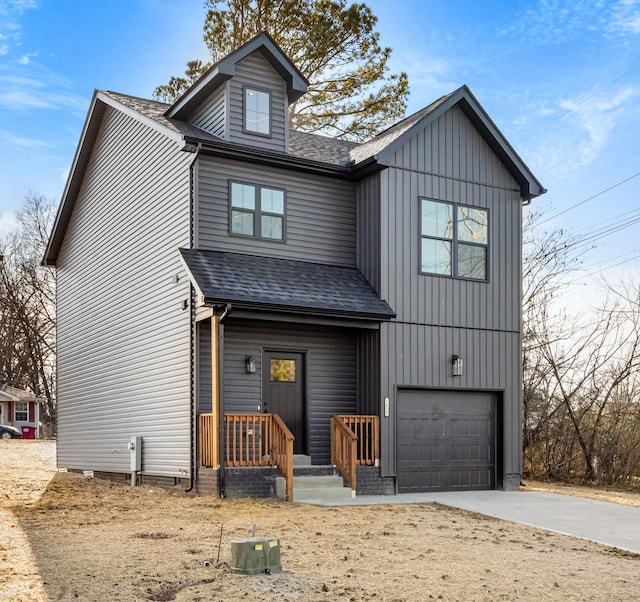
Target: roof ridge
(132,96)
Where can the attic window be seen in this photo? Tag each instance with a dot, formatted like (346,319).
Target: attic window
(257,112)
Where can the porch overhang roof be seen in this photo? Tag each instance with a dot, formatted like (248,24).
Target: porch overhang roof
(282,285)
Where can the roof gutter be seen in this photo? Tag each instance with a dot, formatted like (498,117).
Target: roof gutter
(238,152)
(311,311)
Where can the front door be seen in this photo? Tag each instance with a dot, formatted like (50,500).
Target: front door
(283,392)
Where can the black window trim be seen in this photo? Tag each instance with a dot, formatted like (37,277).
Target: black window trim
(257,212)
(454,241)
(246,130)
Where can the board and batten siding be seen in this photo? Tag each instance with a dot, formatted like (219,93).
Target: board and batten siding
(211,115)
(368,220)
(123,338)
(255,72)
(438,317)
(331,373)
(203,374)
(320,221)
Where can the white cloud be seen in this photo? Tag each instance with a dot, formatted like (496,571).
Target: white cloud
(18,6)
(625,18)
(596,115)
(10,11)
(26,58)
(20,93)
(550,21)
(12,140)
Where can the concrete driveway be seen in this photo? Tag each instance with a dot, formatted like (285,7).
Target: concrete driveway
(609,524)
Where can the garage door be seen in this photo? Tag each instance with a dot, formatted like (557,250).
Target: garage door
(446,441)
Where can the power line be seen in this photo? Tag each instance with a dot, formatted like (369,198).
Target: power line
(590,198)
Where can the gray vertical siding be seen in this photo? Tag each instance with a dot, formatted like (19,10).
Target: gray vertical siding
(123,335)
(203,332)
(210,116)
(320,213)
(438,317)
(368,366)
(415,355)
(255,71)
(368,237)
(331,367)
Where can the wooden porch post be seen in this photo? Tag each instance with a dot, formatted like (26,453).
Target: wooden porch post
(215,392)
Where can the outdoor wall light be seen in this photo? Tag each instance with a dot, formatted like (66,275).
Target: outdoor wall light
(251,364)
(458,365)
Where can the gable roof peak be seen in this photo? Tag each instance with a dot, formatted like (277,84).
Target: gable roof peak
(225,69)
(382,146)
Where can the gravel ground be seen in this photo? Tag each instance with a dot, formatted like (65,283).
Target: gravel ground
(64,537)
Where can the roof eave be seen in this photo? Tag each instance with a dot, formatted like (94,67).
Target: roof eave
(230,150)
(529,185)
(99,102)
(64,210)
(296,309)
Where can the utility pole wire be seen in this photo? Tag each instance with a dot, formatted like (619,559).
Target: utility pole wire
(590,198)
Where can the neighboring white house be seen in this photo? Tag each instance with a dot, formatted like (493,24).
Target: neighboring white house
(20,409)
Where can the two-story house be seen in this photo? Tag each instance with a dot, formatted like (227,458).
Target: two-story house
(234,292)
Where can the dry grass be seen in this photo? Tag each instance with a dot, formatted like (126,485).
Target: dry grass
(87,539)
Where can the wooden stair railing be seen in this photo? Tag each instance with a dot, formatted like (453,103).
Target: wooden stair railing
(251,440)
(354,441)
(282,453)
(343,450)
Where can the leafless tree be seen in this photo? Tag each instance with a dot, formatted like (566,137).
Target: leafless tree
(582,421)
(27,306)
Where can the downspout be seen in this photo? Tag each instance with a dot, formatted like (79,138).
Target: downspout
(221,476)
(192,326)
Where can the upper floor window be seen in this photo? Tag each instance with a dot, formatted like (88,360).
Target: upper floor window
(257,211)
(21,411)
(454,240)
(257,111)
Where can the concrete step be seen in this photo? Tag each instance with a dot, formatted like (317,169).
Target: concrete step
(322,496)
(313,481)
(322,488)
(301,460)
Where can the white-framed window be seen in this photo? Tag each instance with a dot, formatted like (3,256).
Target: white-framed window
(257,211)
(454,240)
(20,411)
(257,111)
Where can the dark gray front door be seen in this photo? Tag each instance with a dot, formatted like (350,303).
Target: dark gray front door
(283,392)
(446,441)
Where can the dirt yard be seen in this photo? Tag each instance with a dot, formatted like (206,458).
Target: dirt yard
(64,537)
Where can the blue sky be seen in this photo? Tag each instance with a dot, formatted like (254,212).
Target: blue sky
(560,78)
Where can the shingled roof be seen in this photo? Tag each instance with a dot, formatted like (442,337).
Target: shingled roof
(320,148)
(155,110)
(380,142)
(301,144)
(252,282)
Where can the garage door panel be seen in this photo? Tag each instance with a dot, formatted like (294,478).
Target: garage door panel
(465,480)
(446,441)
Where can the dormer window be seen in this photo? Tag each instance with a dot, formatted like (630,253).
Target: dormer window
(257,112)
